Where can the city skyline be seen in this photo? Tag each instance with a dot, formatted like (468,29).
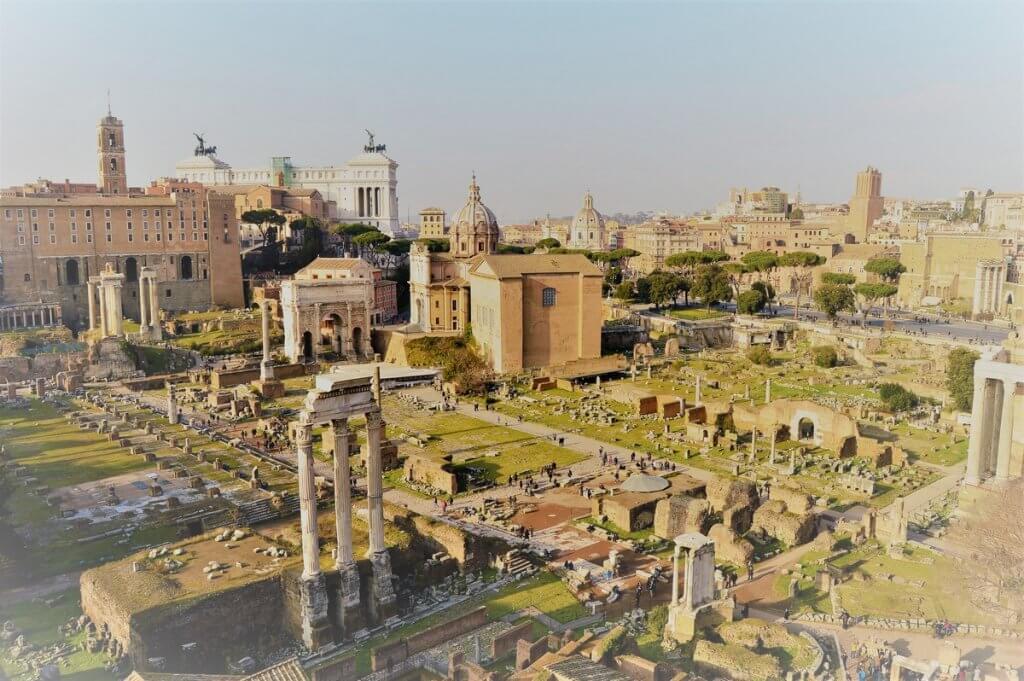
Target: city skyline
(580,104)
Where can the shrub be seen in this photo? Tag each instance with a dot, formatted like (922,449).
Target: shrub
(897,398)
(824,356)
(459,364)
(760,354)
(960,377)
(751,302)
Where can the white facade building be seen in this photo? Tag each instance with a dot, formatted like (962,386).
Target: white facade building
(587,229)
(363,190)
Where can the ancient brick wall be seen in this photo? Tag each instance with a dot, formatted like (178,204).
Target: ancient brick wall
(393,653)
(505,642)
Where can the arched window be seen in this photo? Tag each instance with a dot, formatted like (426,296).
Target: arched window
(113,164)
(131,270)
(28,277)
(71,273)
(186,267)
(112,140)
(259,203)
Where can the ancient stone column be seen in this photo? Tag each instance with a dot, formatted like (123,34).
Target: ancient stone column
(772,456)
(267,365)
(91,290)
(383,589)
(143,304)
(348,574)
(768,391)
(675,575)
(172,406)
(374,481)
(993,417)
(312,585)
(154,305)
(976,437)
(697,397)
(342,492)
(307,497)
(1005,430)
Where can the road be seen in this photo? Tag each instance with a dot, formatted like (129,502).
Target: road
(977,333)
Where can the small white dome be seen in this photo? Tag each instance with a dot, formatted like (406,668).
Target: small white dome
(641,482)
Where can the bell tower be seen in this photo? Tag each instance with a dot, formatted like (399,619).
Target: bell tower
(110,131)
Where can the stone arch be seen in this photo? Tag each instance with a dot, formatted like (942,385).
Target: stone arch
(806,428)
(71,277)
(357,340)
(332,330)
(307,346)
(185,264)
(131,270)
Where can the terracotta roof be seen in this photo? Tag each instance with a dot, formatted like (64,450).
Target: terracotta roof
(288,670)
(335,264)
(510,266)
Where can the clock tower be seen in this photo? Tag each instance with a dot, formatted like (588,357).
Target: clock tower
(113,179)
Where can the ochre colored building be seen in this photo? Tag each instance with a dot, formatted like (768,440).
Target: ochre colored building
(51,243)
(532,311)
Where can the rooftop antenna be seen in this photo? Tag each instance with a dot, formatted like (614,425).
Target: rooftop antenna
(108,102)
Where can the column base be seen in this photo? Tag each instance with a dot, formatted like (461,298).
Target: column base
(270,389)
(316,625)
(384,600)
(349,615)
(155,333)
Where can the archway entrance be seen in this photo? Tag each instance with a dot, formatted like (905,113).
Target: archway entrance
(357,341)
(332,330)
(71,273)
(186,267)
(131,270)
(805,429)
(307,346)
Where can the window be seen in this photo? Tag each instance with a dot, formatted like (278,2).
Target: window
(88,226)
(35,226)
(130,225)
(52,226)
(21,212)
(74,238)
(145,224)
(107,226)
(21,240)
(21,227)
(35,213)
(156,212)
(74,226)
(109,239)
(88,212)
(548,297)
(28,277)
(49,213)
(106,213)
(35,239)
(130,236)
(53,238)
(88,238)
(128,212)
(145,212)
(145,237)
(73,213)
(455,305)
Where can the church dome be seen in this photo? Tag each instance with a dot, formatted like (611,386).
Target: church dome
(475,229)
(475,214)
(588,218)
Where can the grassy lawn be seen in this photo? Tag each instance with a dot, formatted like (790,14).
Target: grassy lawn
(58,453)
(611,527)
(931,447)
(696,314)
(39,622)
(545,591)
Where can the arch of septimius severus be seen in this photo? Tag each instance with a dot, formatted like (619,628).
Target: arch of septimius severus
(996,447)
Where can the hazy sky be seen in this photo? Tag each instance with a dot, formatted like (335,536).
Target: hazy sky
(651,106)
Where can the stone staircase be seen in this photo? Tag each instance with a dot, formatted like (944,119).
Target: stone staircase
(262,510)
(515,564)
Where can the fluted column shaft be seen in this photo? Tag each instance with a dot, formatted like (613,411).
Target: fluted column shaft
(374,481)
(307,498)
(342,492)
(1005,430)
(974,443)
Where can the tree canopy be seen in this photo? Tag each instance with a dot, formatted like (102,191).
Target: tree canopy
(800,259)
(888,269)
(897,398)
(264,219)
(760,261)
(751,302)
(690,259)
(711,284)
(833,299)
(960,377)
(549,242)
(838,278)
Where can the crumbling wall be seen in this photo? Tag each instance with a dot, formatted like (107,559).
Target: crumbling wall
(795,500)
(723,493)
(393,653)
(791,529)
(729,546)
(426,471)
(680,514)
